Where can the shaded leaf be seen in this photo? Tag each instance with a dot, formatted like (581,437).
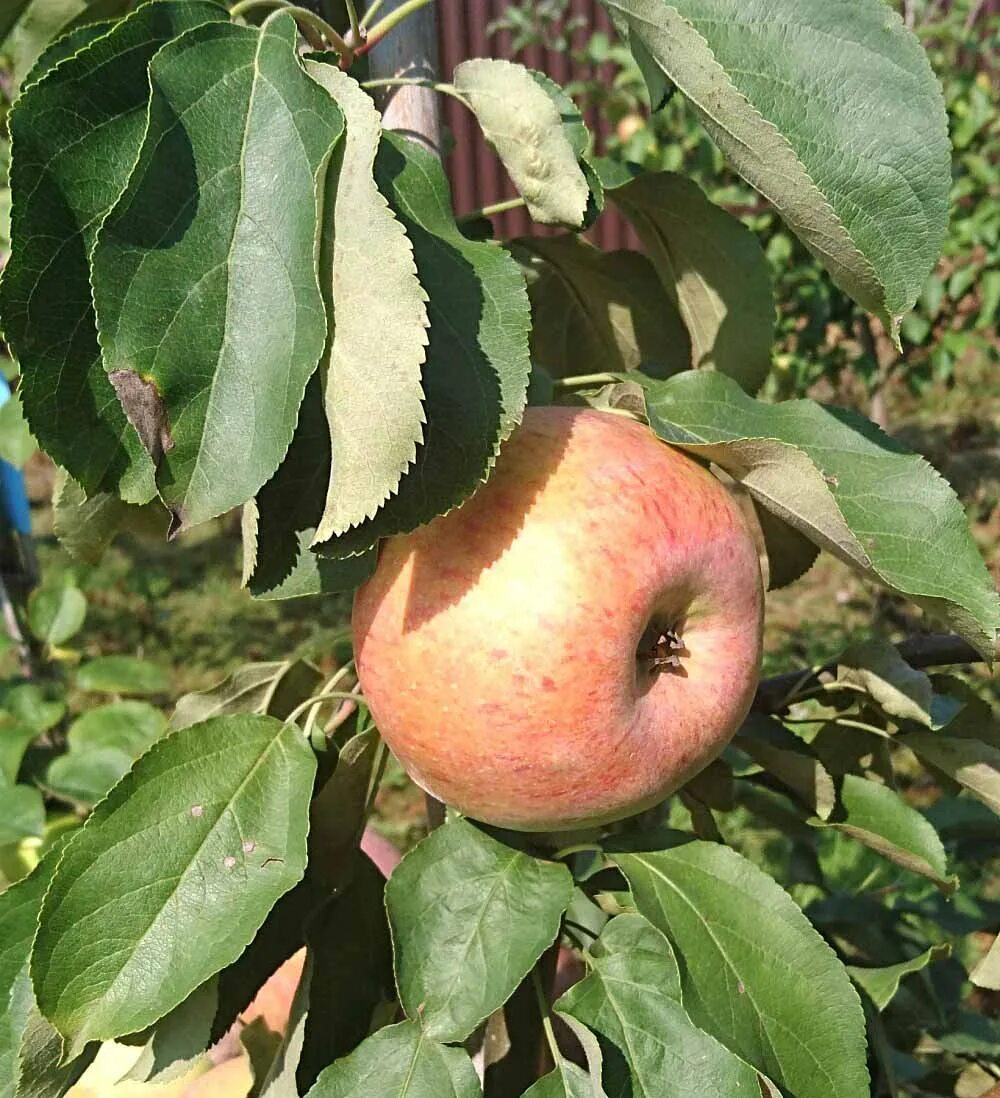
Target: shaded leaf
(970,762)
(849,488)
(122,675)
(712,268)
(43,1069)
(596,311)
(279,526)
(86,526)
(75,134)
(22,813)
(172,875)
(204,272)
(566,1081)
(470,917)
(274,689)
(833,114)
(56,613)
(400,1061)
(881,984)
(902,691)
(178,1038)
(15,736)
(631,997)
(880,819)
(476,373)
(789,553)
(523,124)
(987,971)
(750,963)
(377,320)
(785,756)
(28,704)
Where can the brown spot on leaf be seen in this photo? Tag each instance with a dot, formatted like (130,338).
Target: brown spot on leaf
(145,410)
(229,861)
(197,810)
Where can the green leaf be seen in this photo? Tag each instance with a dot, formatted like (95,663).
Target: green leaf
(15,736)
(172,874)
(567,1081)
(880,819)
(279,526)
(129,726)
(22,813)
(966,760)
(122,675)
(833,114)
(19,908)
(378,322)
(524,125)
(17,443)
(178,1038)
(469,916)
(86,526)
(28,704)
(351,954)
(204,272)
(476,373)
(750,964)
(789,553)
(56,613)
(631,997)
(50,27)
(274,689)
(849,488)
(596,311)
(75,134)
(85,777)
(400,1061)
(785,756)
(713,270)
(881,984)
(902,691)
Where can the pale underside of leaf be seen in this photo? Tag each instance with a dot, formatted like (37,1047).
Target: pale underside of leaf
(522,123)
(831,112)
(378,322)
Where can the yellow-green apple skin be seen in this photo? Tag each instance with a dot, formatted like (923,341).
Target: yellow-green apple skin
(504,648)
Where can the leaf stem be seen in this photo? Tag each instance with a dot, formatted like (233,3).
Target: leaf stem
(583,381)
(316,699)
(496,208)
(315,29)
(416,82)
(385,25)
(357,34)
(370,14)
(543,1010)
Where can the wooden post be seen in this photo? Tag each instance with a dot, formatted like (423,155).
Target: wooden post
(409,50)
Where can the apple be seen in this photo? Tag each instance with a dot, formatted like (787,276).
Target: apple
(576,640)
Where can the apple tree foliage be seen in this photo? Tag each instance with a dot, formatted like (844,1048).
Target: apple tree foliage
(229,287)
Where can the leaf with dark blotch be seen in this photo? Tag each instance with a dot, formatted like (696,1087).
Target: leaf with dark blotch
(470,916)
(750,963)
(209,309)
(597,311)
(831,112)
(712,268)
(476,373)
(75,135)
(172,875)
(402,1061)
(279,526)
(844,484)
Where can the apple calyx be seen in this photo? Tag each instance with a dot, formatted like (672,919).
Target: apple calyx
(662,648)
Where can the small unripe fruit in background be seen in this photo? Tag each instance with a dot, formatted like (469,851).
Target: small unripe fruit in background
(575,641)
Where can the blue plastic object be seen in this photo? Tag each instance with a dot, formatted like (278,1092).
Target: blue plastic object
(13,497)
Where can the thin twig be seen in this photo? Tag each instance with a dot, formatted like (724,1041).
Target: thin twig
(393,19)
(930,650)
(543,1010)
